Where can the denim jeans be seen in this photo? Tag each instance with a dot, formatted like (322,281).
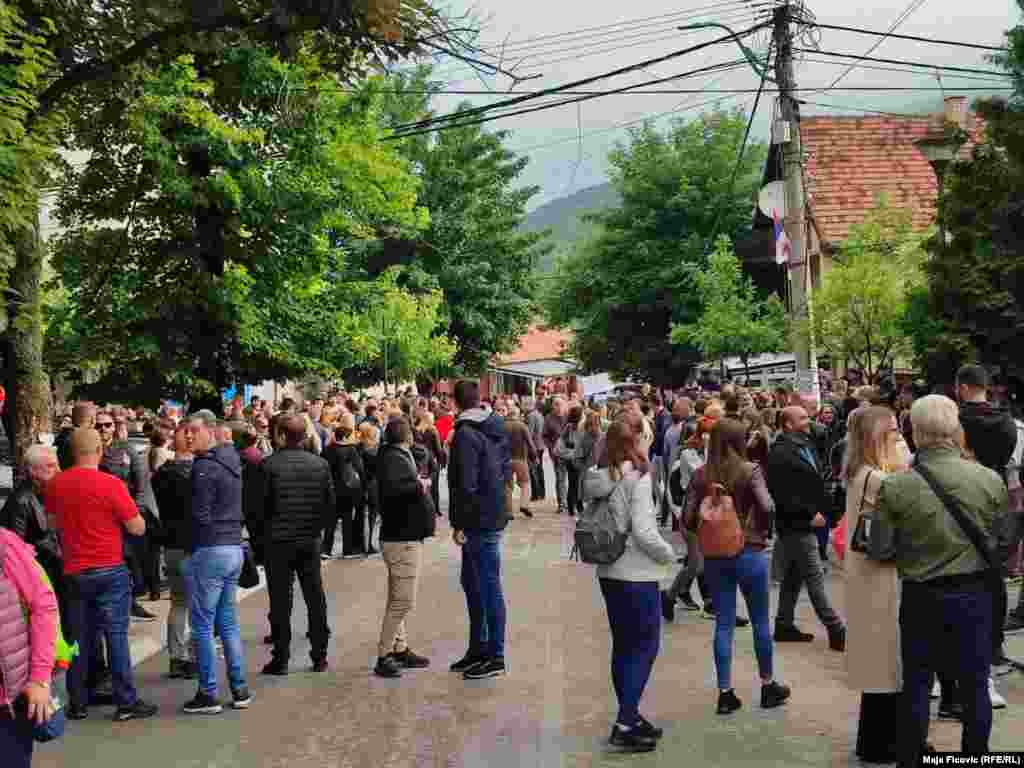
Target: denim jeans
(748,571)
(634,615)
(799,562)
(212,583)
(950,632)
(481,581)
(100,602)
(16,740)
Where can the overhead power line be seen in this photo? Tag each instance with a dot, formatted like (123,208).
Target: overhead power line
(584,82)
(904,63)
(528,61)
(904,15)
(862,109)
(957,43)
(663,18)
(479,115)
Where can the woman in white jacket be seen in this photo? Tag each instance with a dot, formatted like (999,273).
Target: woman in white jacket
(630,584)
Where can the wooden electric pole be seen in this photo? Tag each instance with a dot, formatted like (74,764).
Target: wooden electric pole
(788,134)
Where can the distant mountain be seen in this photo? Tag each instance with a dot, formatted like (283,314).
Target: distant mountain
(564,217)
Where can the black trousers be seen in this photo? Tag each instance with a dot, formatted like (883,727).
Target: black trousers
(575,498)
(351,533)
(303,560)
(878,729)
(537,487)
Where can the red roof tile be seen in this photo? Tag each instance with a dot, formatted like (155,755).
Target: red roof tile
(538,344)
(850,161)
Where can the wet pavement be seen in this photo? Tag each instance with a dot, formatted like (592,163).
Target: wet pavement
(553,709)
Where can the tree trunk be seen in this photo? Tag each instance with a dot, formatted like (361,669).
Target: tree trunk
(31,398)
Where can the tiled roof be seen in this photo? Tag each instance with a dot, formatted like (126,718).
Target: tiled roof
(850,161)
(538,344)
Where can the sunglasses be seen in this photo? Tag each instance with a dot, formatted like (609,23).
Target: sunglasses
(104,425)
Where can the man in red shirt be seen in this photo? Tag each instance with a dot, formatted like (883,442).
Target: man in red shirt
(92,510)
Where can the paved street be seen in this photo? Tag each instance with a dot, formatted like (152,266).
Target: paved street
(554,708)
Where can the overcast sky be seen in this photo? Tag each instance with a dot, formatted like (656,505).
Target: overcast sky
(571,48)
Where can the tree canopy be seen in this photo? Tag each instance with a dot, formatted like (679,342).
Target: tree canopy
(621,291)
(474,246)
(734,321)
(858,312)
(241,197)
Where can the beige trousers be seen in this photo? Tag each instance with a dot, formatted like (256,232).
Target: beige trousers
(403,560)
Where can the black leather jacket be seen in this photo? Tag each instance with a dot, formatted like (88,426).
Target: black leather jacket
(24,514)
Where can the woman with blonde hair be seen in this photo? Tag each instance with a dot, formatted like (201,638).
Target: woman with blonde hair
(313,444)
(875,448)
(329,420)
(366,512)
(346,462)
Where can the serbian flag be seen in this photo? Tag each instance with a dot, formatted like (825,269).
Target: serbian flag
(783,250)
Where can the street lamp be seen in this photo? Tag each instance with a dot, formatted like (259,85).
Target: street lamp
(939,150)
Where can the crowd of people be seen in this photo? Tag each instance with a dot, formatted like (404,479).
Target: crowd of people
(863,475)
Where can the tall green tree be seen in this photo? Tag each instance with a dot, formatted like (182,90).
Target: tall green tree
(734,321)
(475,246)
(239,196)
(621,291)
(858,312)
(62,54)
(975,301)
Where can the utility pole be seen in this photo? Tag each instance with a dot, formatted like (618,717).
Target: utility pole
(792,173)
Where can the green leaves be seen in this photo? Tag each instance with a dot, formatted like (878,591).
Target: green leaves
(622,290)
(858,313)
(734,321)
(239,214)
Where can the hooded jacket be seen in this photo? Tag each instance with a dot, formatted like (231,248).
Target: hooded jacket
(647,554)
(172,486)
(990,433)
(479,466)
(216,513)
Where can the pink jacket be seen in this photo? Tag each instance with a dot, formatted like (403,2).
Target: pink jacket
(35,595)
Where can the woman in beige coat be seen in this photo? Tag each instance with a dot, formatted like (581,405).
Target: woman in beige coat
(875,449)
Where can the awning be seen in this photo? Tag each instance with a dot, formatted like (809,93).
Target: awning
(536,369)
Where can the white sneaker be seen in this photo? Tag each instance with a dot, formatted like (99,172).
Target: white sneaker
(936,690)
(998,702)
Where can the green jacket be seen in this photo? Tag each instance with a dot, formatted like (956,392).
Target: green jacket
(929,542)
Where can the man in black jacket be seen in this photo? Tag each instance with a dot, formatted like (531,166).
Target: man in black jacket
(991,436)
(172,487)
(24,514)
(407,518)
(797,485)
(479,467)
(298,496)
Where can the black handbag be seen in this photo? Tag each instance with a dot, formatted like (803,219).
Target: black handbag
(873,538)
(250,575)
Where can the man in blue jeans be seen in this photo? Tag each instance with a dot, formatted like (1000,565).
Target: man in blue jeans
(215,564)
(479,467)
(93,510)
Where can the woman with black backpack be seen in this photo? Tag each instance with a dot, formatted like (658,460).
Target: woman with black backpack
(729,481)
(348,473)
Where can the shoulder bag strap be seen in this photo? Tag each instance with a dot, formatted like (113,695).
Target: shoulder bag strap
(966,524)
(864,492)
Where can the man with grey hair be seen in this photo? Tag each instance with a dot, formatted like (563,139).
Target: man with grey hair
(947,616)
(535,423)
(554,423)
(25,515)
